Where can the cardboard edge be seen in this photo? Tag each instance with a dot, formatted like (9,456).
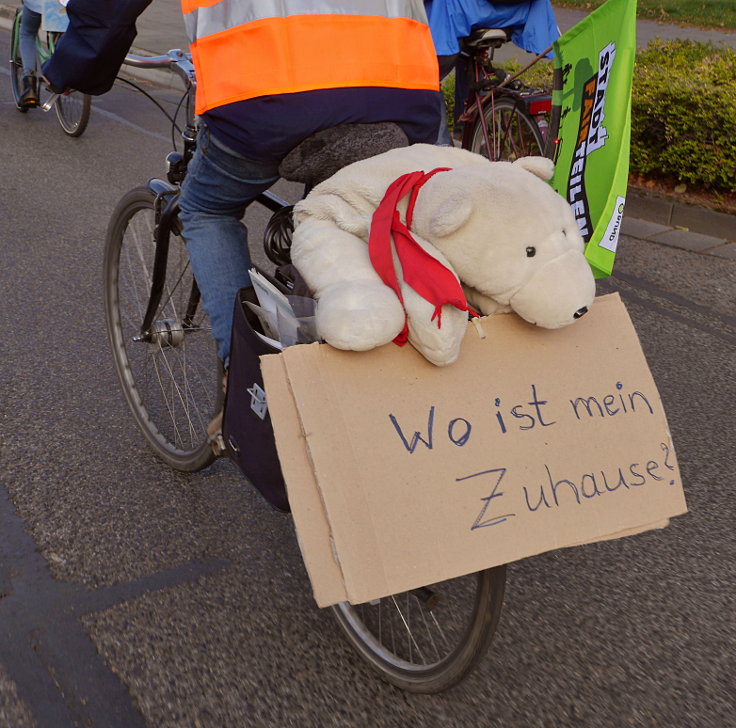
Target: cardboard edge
(312,525)
(356,508)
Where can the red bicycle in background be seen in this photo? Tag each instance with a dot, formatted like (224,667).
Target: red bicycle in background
(503,118)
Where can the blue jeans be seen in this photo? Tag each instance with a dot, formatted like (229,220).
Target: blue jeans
(219,185)
(29,25)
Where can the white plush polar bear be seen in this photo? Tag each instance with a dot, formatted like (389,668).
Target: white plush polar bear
(509,237)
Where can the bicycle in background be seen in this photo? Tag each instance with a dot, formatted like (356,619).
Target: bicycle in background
(72,108)
(503,118)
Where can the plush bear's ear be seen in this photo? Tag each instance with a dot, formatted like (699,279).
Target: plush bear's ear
(448,213)
(540,166)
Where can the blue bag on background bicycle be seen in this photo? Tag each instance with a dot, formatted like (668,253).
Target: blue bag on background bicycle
(55,19)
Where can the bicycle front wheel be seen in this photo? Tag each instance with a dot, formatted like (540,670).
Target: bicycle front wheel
(512,132)
(170,375)
(428,639)
(72,111)
(16,63)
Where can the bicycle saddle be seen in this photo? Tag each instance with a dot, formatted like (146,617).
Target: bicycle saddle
(322,154)
(487,38)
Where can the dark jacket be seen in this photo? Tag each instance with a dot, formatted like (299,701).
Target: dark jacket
(92,50)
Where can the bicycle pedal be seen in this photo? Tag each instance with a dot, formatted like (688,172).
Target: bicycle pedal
(218,445)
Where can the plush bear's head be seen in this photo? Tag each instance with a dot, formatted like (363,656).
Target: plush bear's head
(509,236)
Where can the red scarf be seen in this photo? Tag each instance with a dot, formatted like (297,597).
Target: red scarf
(421,271)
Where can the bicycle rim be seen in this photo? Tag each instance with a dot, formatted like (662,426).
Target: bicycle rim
(427,640)
(172,382)
(72,111)
(16,64)
(512,132)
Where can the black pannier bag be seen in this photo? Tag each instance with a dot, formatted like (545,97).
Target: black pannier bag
(246,425)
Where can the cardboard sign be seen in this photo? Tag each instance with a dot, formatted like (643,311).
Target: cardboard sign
(402,474)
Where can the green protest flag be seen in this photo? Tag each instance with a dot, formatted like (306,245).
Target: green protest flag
(594,62)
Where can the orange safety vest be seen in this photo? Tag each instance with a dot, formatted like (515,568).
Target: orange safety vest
(243,49)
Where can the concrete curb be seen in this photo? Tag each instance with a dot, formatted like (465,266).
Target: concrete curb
(669,210)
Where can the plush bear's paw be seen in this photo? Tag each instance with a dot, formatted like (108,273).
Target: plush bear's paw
(359,316)
(439,345)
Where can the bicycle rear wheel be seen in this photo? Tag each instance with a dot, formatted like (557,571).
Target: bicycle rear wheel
(16,64)
(171,377)
(512,132)
(72,111)
(428,639)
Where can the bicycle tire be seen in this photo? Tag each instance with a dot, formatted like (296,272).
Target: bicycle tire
(453,644)
(16,64)
(171,382)
(516,131)
(74,107)
(73,112)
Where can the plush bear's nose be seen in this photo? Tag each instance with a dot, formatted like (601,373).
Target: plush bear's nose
(580,312)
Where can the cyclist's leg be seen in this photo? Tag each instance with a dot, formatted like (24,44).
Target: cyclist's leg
(29,26)
(462,88)
(219,185)
(30,23)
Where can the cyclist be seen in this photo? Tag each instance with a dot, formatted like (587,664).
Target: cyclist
(268,76)
(29,25)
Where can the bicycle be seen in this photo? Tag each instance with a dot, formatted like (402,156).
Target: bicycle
(72,108)
(501,113)
(425,640)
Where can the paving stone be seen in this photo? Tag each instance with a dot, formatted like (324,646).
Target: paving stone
(687,240)
(708,222)
(642,229)
(728,250)
(648,207)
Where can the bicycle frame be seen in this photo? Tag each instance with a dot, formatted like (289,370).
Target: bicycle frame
(167,192)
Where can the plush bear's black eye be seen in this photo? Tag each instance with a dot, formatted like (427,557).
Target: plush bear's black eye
(531,251)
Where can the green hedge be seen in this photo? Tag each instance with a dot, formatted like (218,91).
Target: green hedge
(683,116)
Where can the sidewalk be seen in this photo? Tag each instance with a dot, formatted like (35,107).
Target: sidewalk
(660,219)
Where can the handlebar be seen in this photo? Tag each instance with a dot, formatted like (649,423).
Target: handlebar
(147,61)
(176,60)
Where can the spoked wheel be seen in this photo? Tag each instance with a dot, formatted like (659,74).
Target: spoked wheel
(512,132)
(72,108)
(16,64)
(170,375)
(428,639)
(72,111)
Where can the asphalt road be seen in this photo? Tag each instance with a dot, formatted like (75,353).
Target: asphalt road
(134,596)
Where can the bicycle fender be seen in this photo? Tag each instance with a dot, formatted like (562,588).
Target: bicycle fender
(161,187)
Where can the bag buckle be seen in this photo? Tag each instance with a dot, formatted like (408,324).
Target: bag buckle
(258,400)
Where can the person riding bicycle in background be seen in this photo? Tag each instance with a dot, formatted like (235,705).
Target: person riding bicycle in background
(32,11)
(531,23)
(268,76)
